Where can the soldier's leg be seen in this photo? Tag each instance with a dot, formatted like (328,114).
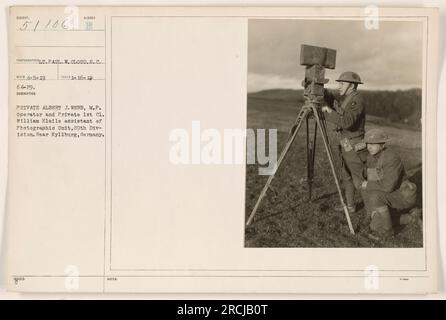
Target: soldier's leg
(398,201)
(381,221)
(367,206)
(414,216)
(354,167)
(376,203)
(349,188)
(355,164)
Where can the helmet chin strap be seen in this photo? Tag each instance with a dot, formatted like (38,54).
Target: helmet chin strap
(348,88)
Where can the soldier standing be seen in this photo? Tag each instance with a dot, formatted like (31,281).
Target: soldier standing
(349,118)
(385,185)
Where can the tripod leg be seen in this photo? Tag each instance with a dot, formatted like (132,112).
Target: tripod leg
(314,143)
(333,170)
(302,114)
(309,156)
(311,150)
(324,127)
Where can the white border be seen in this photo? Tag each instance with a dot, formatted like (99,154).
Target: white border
(441,117)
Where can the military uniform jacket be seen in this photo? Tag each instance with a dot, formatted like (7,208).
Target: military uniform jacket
(349,117)
(384,172)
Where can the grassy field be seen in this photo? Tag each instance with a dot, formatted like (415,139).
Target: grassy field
(286,218)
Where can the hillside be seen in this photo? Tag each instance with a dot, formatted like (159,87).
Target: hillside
(401,107)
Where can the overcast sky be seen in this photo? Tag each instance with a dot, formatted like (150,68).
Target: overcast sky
(389,58)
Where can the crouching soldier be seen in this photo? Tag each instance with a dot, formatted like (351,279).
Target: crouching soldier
(385,185)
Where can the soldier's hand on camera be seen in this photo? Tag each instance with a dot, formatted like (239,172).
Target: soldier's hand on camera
(337,107)
(364,184)
(326,109)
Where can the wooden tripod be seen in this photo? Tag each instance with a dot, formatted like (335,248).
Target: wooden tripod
(310,110)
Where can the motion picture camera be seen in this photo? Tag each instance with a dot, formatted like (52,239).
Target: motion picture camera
(316,59)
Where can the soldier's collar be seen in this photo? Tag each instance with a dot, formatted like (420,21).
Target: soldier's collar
(380,152)
(354,92)
(349,96)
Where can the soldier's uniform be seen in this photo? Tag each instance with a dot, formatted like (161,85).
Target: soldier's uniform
(349,118)
(387,187)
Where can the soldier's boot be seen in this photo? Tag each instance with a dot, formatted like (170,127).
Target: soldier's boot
(381,223)
(350,208)
(349,198)
(414,217)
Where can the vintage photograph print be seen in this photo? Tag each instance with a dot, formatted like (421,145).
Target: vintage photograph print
(335,107)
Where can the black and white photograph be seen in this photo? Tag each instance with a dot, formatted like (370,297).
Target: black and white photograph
(343,99)
(208,150)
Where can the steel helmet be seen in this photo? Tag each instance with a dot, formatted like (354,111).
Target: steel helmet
(376,136)
(349,76)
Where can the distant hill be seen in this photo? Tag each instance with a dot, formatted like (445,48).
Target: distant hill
(400,106)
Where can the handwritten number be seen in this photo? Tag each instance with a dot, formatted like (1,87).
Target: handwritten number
(25,25)
(65,24)
(37,23)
